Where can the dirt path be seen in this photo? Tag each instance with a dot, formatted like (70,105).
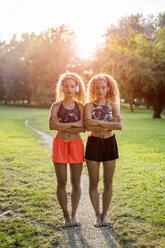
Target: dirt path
(86,236)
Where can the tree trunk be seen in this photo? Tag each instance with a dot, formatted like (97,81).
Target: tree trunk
(157,113)
(158,108)
(5,101)
(158,103)
(29,100)
(131,106)
(148,106)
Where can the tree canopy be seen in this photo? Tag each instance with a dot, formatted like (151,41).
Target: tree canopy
(31,66)
(136,60)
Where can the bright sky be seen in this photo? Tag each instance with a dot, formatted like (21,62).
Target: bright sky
(87,18)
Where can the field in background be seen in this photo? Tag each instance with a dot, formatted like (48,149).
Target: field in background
(27,181)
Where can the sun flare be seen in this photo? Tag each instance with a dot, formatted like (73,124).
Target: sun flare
(88,37)
(86,45)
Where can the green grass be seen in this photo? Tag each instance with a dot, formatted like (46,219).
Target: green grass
(28,183)
(139,199)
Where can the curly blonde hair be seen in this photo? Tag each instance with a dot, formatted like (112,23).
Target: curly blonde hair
(113,94)
(79,96)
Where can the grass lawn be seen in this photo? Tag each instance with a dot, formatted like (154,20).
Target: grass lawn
(138,202)
(27,184)
(27,181)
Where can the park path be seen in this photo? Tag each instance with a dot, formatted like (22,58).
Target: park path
(86,236)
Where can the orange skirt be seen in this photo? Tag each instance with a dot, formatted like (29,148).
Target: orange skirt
(68,151)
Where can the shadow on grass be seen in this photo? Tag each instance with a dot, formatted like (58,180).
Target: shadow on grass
(109,234)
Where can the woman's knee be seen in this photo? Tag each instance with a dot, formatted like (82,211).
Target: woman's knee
(62,184)
(93,184)
(107,184)
(75,185)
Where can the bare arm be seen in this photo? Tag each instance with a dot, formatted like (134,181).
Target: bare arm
(116,123)
(78,126)
(54,123)
(98,125)
(90,124)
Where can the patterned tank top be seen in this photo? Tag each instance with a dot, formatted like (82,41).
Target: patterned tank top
(102,112)
(66,115)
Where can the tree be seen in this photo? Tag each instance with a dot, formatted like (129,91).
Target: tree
(138,63)
(2,90)
(14,72)
(32,65)
(50,54)
(138,23)
(160,20)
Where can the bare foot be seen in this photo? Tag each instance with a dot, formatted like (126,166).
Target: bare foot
(75,222)
(67,221)
(105,221)
(98,222)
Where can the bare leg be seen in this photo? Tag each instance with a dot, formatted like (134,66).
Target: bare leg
(93,171)
(108,171)
(61,174)
(75,174)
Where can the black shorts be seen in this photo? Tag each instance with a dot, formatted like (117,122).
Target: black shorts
(100,149)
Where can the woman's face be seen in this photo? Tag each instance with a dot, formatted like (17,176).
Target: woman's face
(100,89)
(69,88)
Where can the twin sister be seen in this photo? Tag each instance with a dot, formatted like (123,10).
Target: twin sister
(69,117)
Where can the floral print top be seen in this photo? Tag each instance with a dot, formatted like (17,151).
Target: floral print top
(66,115)
(102,112)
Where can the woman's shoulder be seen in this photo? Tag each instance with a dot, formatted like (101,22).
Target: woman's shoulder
(79,104)
(55,105)
(89,104)
(113,105)
(115,110)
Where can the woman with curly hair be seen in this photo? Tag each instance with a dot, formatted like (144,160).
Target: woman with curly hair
(101,117)
(66,117)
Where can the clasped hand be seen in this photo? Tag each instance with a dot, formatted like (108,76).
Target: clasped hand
(77,124)
(90,122)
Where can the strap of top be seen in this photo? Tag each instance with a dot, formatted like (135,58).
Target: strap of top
(109,105)
(106,104)
(76,105)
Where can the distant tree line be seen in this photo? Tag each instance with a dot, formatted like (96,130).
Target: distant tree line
(30,67)
(133,53)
